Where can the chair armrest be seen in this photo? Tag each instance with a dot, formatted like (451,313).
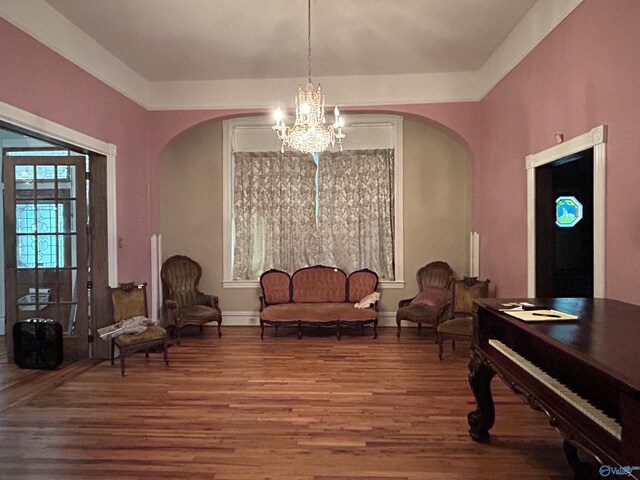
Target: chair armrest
(405,302)
(170,304)
(208,300)
(263,303)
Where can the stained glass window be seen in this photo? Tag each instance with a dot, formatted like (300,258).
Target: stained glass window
(36,226)
(568,211)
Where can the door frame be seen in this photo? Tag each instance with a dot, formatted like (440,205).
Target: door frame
(596,138)
(34,123)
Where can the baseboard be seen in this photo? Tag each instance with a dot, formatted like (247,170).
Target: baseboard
(252,318)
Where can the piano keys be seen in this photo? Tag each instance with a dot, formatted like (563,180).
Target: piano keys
(584,374)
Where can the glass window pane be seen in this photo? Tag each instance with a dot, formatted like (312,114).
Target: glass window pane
(67,216)
(66,251)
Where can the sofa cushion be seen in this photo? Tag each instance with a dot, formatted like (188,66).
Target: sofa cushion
(276,287)
(319,285)
(361,283)
(317,312)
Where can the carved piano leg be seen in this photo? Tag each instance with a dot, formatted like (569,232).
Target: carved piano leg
(482,418)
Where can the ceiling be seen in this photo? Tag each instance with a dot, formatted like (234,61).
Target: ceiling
(240,39)
(196,54)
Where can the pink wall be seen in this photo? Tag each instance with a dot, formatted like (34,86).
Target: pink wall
(36,79)
(585,73)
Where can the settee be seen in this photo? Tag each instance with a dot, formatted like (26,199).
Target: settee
(319,295)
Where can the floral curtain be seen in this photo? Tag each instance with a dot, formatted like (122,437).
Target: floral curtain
(274,212)
(355,210)
(283,220)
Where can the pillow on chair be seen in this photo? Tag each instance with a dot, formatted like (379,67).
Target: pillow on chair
(432,297)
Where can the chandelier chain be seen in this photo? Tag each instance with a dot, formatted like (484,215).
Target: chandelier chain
(309,37)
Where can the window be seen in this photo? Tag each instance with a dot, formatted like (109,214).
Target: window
(290,210)
(36,235)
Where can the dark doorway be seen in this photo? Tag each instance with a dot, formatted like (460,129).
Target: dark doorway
(564,242)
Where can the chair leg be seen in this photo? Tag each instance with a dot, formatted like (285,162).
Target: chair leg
(178,335)
(146,353)
(440,347)
(261,329)
(419,327)
(299,330)
(338,332)
(219,328)
(453,344)
(113,348)
(375,329)
(122,355)
(166,351)
(398,323)
(201,329)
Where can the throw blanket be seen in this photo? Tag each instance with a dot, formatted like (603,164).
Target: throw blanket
(129,326)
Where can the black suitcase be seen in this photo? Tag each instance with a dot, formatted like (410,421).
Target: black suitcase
(37,343)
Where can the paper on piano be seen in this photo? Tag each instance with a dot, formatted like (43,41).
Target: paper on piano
(541,315)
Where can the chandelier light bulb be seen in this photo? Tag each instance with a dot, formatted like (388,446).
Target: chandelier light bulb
(278,115)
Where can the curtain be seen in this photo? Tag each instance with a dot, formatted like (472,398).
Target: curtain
(274,206)
(355,210)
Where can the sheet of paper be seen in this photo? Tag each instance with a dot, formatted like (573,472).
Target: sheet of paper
(541,315)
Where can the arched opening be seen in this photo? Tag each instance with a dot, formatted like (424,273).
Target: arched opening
(436,186)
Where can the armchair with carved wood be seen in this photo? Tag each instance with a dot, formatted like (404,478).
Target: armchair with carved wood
(461,325)
(184,304)
(432,304)
(128,301)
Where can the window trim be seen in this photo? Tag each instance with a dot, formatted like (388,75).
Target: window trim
(365,122)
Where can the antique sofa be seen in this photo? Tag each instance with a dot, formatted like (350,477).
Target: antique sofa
(318,296)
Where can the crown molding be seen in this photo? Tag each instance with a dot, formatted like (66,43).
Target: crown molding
(544,16)
(44,23)
(38,19)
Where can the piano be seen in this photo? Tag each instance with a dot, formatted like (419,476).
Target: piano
(583,374)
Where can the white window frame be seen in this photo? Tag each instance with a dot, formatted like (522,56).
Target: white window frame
(365,131)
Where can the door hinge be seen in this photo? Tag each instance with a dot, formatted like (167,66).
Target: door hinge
(87,176)
(89,231)
(89,284)
(90,338)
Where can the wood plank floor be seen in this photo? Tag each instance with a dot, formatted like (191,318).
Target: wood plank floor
(238,408)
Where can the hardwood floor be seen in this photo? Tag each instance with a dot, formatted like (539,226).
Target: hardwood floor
(237,408)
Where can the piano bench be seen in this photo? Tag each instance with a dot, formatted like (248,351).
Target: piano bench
(458,327)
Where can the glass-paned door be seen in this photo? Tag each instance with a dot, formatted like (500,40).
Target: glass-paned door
(46,244)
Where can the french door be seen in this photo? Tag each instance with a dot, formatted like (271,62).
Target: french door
(46,249)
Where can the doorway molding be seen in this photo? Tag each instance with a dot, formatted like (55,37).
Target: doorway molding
(596,138)
(40,125)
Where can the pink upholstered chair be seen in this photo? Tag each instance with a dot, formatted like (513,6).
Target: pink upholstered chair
(435,274)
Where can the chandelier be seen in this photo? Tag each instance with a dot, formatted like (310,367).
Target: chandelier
(309,133)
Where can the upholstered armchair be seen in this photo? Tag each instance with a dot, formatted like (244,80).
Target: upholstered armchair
(433,302)
(461,325)
(184,304)
(129,301)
